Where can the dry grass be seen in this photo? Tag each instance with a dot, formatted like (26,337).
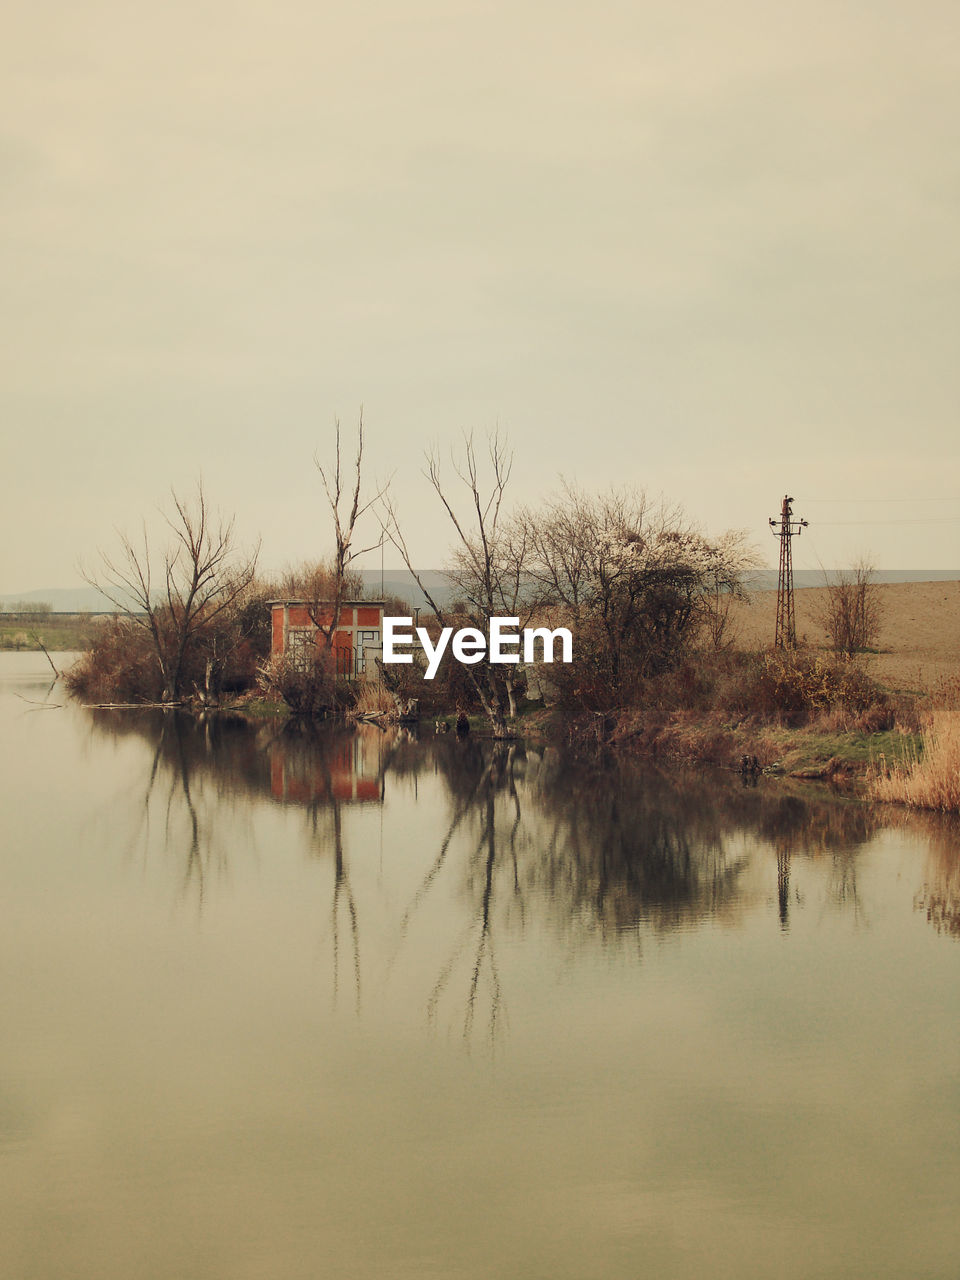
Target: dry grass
(931,781)
(372,699)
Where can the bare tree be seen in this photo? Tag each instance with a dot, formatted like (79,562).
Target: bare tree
(177,595)
(347,508)
(491,578)
(488,563)
(851,614)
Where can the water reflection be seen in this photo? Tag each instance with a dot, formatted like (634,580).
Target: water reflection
(724,1017)
(939,896)
(480,783)
(602,852)
(610,843)
(294,764)
(315,769)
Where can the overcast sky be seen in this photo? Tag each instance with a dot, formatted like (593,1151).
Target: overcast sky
(707,249)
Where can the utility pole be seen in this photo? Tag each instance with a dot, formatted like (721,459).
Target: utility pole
(786,528)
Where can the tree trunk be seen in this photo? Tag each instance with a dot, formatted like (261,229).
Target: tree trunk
(511,696)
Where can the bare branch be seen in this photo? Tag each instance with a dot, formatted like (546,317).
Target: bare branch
(344,529)
(203,576)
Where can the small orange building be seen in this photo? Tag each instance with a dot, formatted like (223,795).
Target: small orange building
(357,639)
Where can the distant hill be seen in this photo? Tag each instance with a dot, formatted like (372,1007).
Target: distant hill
(766,579)
(400,582)
(396,582)
(62,599)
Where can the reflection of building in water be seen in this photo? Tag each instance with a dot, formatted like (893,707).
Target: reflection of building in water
(348,770)
(357,639)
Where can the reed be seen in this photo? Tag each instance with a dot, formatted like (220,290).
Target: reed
(932,780)
(372,699)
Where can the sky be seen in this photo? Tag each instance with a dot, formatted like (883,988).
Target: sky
(708,250)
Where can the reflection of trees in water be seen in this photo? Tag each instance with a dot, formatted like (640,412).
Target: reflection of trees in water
(325,818)
(808,824)
(196,759)
(801,825)
(624,847)
(292,763)
(627,844)
(604,850)
(795,824)
(221,752)
(939,898)
(312,769)
(598,850)
(476,779)
(173,790)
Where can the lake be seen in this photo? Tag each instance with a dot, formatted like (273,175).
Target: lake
(283,1004)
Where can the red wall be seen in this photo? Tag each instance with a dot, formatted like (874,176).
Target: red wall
(298,615)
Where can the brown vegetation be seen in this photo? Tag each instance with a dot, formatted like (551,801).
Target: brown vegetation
(852,612)
(184,598)
(932,779)
(121,664)
(306,684)
(718,707)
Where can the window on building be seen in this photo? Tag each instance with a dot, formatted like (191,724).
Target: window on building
(301,649)
(366,639)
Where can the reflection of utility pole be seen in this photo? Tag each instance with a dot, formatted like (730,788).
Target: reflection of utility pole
(786,528)
(783,889)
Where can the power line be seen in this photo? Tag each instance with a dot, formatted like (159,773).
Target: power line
(823,524)
(855,501)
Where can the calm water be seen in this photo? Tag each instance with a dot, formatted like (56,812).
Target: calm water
(285,1006)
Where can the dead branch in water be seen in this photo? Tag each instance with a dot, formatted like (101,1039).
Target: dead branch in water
(40,706)
(46,655)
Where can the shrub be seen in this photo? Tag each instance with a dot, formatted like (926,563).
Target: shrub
(851,614)
(794,686)
(451,687)
(121,666)
(585,687)
(309,688)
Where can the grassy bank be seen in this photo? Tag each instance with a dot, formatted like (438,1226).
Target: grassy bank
(808,751)
(803,713)
(62,632)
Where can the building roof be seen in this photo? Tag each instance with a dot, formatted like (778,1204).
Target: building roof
(344,604)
